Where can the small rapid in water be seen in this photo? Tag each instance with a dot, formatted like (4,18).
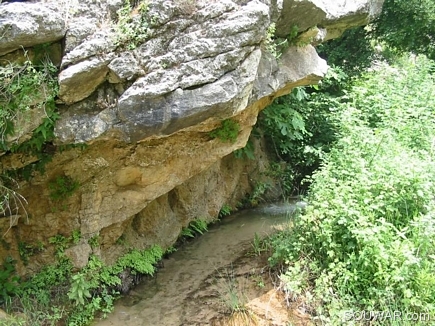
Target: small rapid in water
(181,292)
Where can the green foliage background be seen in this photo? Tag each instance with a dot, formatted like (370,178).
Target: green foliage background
(300,128)
(366,241)
(407,26)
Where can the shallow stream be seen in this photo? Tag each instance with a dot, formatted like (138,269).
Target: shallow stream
(185,290)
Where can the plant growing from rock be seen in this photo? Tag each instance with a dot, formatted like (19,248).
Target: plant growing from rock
(195,227)
(62,187)
(132,27)
(60,243)
(26,250)
(23,88)
(76,236)
(227,132)
(277,45)
(224,211)
(199,226)
(94,241)
(246,152)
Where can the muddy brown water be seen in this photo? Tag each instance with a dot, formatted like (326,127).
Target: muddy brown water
(184,291)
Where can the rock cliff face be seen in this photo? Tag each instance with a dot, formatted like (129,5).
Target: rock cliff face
(143,84)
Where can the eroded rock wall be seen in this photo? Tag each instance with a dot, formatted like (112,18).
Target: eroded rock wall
(145,109)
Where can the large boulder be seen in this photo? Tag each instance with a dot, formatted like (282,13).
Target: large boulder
(28,24)
(334,16)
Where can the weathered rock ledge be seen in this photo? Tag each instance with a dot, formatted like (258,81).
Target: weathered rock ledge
(145,110)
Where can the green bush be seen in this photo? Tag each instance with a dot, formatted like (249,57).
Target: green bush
(366,241)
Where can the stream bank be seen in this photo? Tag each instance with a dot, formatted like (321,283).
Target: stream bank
(211,277)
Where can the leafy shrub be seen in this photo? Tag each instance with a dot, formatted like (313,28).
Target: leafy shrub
(366,241)
(283,174)
(26,250)
(44,287)
(60,243)
(8,281)
(300,127)
(227,132)
(76,236)
(95,288)
(23,88)
(79,289)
